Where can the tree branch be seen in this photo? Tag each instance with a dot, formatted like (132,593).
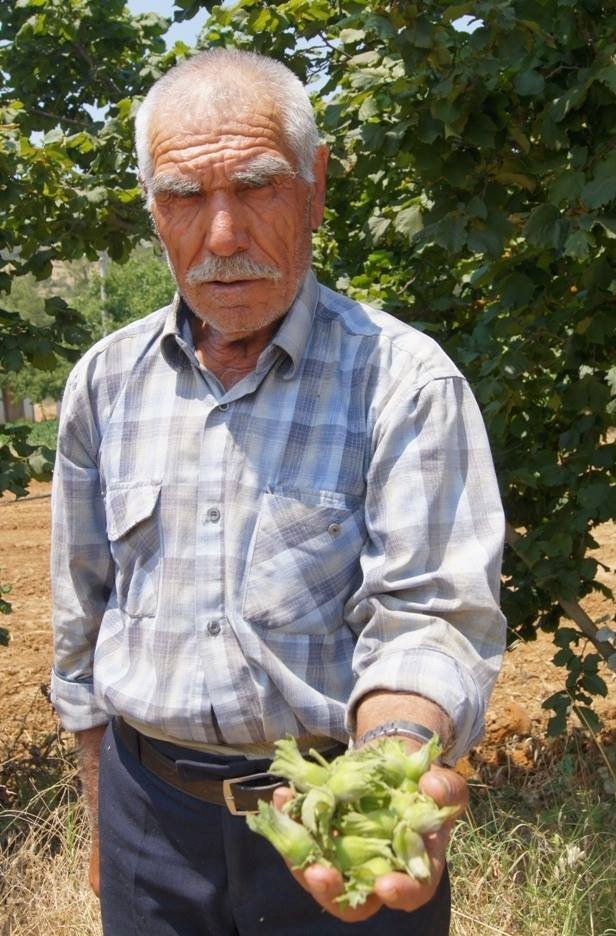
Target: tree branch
(571,608)
(38,112)
(92,64)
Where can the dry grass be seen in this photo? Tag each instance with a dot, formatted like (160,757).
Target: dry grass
(43,880)
(536,855)
(43,844)
(523,878)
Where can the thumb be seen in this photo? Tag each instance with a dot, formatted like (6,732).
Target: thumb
(446,787)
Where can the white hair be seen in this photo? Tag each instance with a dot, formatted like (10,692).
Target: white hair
(219,78)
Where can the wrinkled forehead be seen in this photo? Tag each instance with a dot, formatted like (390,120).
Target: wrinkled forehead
(226,112)
(204,139)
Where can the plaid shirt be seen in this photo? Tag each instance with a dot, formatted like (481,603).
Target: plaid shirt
(234,566)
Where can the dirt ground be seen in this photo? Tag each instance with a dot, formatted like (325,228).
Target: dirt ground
(515,720)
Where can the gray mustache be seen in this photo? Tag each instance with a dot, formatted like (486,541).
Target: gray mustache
(228,269)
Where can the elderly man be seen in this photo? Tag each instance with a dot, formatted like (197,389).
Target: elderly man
(275,514)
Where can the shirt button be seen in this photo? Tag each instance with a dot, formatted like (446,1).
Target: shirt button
(223,407)
(213,515)
(214,628)
(334,529)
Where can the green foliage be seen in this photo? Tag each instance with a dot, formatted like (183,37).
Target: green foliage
(41,433)
(72,189)
(41,337)
(46,375)
(39,345)
(472,192)
(132,289)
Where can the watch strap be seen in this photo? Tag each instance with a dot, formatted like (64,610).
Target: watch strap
(406,729)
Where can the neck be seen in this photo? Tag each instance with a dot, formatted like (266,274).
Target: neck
(229,357)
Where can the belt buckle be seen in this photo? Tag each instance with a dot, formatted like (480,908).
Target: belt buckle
(229,798)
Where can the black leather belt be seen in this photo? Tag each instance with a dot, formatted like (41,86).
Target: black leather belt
(240,794)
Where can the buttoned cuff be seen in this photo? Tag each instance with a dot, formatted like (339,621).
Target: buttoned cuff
(76,704)
(437,677)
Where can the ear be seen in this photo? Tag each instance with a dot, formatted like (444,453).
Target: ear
(319,169)
(146,194)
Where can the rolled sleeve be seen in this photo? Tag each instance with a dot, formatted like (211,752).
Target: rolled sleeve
(457,694)
(76,704)
(426,613)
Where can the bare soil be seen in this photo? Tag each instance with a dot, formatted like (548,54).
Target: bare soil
(515,724)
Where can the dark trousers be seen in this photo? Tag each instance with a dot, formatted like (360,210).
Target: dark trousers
(171,864)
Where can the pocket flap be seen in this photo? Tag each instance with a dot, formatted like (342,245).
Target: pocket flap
(129,505)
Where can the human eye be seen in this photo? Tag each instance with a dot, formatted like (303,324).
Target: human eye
(177,196)
(186,196)
(251,186)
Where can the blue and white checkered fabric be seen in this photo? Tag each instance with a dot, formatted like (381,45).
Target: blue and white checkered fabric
(237,566)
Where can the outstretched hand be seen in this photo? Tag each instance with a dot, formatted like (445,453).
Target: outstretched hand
(395,890)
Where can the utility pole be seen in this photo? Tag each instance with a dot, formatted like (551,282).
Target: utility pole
(103,265)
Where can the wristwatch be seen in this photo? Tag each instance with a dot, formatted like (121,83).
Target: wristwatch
(405,729)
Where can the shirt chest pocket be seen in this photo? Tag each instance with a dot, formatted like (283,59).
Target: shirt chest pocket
(305,560)
(133,531)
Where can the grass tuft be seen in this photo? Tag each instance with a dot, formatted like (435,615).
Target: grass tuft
(538,854)
(44,843)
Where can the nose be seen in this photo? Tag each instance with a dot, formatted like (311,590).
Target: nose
(226,232)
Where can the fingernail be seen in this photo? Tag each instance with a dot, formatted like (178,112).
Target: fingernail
(389,893)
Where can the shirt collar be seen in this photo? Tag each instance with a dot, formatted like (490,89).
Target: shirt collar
(294,332)
(173,338)
(291,337)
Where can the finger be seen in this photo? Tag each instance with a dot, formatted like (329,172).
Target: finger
(399,891)
(436,845)
(446,787)
(281,796)
(326,884)
(94,872)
